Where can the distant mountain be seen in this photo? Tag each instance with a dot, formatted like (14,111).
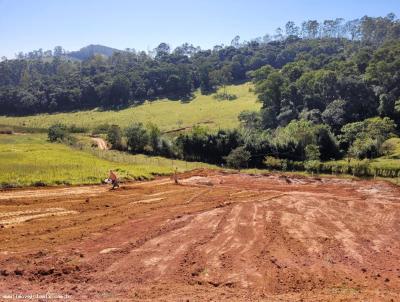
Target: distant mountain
(90,50)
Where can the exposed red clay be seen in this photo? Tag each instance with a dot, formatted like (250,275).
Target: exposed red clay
(215,236)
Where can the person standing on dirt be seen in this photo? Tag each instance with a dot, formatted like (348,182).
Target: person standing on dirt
(176,176)
(114,179)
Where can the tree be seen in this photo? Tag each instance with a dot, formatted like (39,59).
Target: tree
(250,119)
(137,138)
(266,38)
(291,29)
(119,91)
(238,158)
(386,105)
(270,90)
(365,138)
(292,76)
(335,114)
(327,143)
(221,77)
(58,51)
(310,29)
(268,118)
(328,29)
(162,50)
(114,137)
(278,34)
(312,152)
(352,28)
(154,137)
(57,132)
(287,112)
(365,147)
(261,73)
(235,42)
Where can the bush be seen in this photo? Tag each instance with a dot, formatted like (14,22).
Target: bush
(361,168)
(250,119)
(137,138)
(114,137)
(388,147)
(225,96)
(167,149)
(154,138)
(238,158)
(312,166)
(58,132)
(312,152)
(275,163)
(364,148)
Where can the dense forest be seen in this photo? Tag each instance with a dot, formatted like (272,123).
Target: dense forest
(352,59)
(328,90)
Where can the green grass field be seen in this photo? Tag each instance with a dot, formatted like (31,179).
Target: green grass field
(28,159)
(395,152)
(167,114)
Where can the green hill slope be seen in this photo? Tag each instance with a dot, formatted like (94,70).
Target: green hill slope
(167,114)
(30,160)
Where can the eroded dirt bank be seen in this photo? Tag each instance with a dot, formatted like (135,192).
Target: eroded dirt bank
(216,236)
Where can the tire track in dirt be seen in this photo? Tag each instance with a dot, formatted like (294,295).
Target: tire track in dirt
(243,237)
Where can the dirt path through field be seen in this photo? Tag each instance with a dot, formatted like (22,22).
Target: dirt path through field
(216,236)
(101,143)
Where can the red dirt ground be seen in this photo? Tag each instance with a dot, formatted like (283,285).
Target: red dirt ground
(216,236)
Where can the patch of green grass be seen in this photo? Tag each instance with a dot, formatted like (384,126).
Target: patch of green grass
(377,163)
(27,160)
(294,173)
(167,114)
(395,143)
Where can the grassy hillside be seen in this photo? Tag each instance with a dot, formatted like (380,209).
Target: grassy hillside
(167,114)
(31,160)
(394,148)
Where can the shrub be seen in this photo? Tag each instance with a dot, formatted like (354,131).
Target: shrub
(137,138)
(238,158)
(114,137)
(154,138)
(57,132)
(361,168)
(388,147)
(312,166)
(225,96)
(312,152)
(364,148)
(275,163)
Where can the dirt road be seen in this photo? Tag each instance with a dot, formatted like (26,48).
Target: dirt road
(101,143)
(214,237)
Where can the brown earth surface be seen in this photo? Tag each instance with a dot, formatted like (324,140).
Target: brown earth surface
(101,143)
(216,236)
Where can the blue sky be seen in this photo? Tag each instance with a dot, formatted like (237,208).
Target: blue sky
(32,24)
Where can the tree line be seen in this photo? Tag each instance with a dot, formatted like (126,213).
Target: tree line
(301,144)
(48,81)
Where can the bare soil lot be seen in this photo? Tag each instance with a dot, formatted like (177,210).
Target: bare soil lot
(215,236)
